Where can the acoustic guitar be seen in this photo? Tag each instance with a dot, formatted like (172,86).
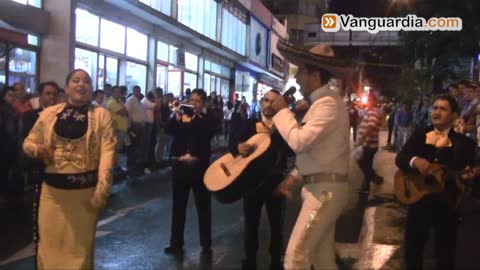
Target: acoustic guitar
(230,177)
(412,187)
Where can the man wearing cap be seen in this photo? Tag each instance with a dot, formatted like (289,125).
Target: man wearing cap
(321,144)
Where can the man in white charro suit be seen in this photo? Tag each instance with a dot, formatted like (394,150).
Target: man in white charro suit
(321,145)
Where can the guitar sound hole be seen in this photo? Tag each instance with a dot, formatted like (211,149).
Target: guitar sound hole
(430,179)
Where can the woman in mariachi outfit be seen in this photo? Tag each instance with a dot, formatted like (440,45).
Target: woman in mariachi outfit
(75,140)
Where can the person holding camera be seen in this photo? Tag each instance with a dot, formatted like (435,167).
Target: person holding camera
(192,129)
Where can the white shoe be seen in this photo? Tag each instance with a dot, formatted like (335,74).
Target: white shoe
(147,171)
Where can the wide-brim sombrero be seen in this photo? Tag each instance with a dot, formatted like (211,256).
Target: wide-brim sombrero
(320,56)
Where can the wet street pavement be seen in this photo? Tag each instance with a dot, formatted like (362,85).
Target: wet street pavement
(134,229)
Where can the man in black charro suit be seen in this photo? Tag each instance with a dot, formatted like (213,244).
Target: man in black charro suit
(190,150)
(438,144)
(265,194)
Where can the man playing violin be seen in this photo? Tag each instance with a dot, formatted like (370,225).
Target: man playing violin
(438,144)
(264,195)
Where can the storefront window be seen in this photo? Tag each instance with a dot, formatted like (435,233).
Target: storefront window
(172,57)
(112,36)
(244,84)
(189,81)
(236,39)
(86,29)
(162,77)
(225,89)
(87,61)
(217,79)
(101,71)
(206,83)
(22,67)
(162,51)
(112,71)
(174,80)
(199,15)
(160,5)
(34,3)
(137,44)
(191,61)
(32,40)
(136,75)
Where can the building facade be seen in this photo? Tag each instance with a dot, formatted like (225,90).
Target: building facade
(218,45)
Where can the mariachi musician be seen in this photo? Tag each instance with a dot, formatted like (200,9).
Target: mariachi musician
(442,145)
(192,131)
(265,194)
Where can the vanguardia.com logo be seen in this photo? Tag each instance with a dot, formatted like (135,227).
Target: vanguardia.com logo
(332,22)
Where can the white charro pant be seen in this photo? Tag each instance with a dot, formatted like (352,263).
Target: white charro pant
(313,237)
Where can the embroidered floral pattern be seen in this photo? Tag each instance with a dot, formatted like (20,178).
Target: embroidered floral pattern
(73,114)
(70,152)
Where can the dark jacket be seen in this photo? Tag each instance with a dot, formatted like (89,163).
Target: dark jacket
(28,121)
(193,137)
(454,158)
(8,131)
(283,151)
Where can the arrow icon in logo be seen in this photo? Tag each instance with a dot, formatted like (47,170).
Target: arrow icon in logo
(329,21)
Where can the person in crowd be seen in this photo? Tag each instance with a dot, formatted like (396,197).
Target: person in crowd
(322,148)
(47,97)
(469,111)
(354,119)
(211,99)
(403,123)
(137,116)
(159,120)
(107,90)
(75,141)
(227,117)
(390,109)
(253,108)
(462,86)
(237,121)
(162,114)
(61,96)
(244,106)
(265,195)
(119,115)
(368,138)
(216,111)
(423,112)
(186,95)
(8,141)
(150,131)
(22,103)
(124,93)
(436,144)
(98,98)
(454,91)
(167,112)
(192,133)
(34,168)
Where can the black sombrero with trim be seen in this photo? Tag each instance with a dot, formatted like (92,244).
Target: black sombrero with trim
(321,56)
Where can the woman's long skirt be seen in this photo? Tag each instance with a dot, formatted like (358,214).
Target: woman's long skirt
(67,226)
